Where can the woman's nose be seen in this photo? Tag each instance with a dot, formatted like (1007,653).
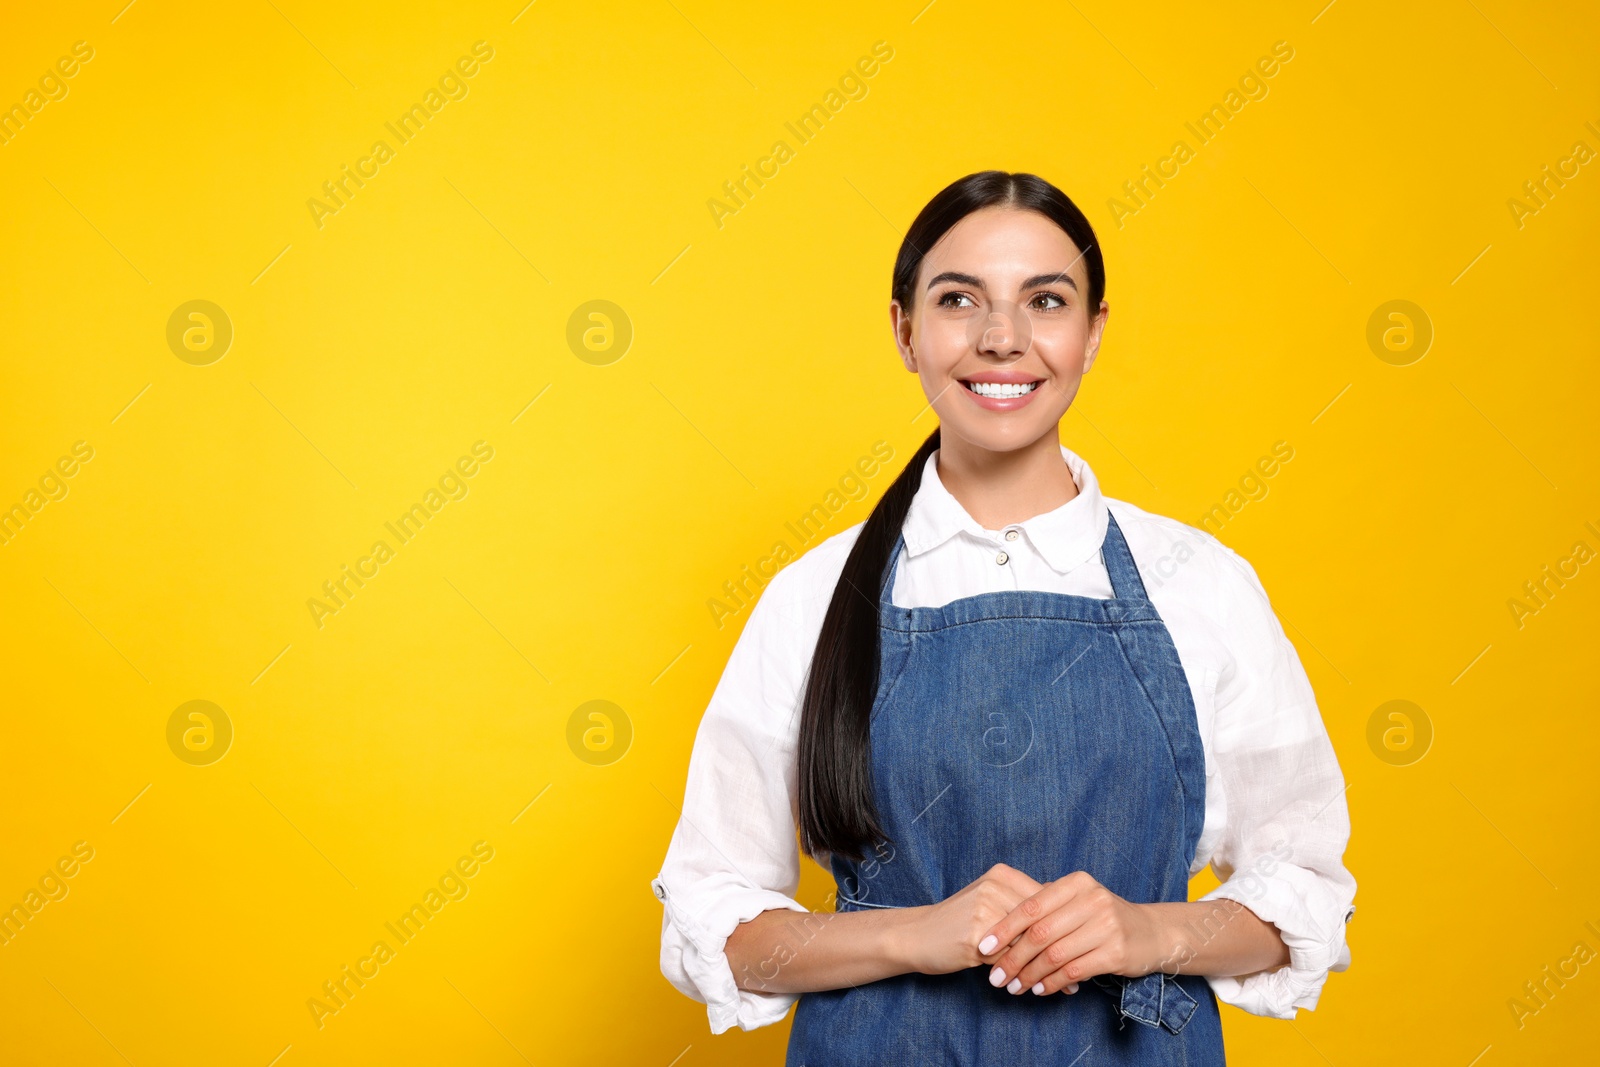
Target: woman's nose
(1004,330)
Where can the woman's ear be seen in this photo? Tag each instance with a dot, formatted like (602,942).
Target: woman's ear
(1097,329)
(900,322)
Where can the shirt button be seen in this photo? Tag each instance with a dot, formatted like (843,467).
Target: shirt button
(1001,559)
(661,894)
(1011,535)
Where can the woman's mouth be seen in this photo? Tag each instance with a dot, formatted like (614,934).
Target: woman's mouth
(1001,395)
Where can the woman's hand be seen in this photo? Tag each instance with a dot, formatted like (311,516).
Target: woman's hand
(1071,929)
(944,936)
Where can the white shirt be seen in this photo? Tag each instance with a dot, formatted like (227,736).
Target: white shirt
(1275,824)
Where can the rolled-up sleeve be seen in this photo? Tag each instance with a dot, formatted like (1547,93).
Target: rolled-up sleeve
(1281,852)
(734,852)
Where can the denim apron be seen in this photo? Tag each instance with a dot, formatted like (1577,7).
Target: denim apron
(1054,733)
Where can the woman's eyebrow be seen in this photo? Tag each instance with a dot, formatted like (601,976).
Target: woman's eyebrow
(1050,279)
(957,276)
(977,283)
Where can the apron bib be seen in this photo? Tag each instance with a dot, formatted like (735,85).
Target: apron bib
(1053,733)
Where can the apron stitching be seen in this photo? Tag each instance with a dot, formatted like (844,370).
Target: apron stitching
(882,696)
(1183,787)
(1105,624)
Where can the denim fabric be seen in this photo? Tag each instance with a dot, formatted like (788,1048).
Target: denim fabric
(1054,733)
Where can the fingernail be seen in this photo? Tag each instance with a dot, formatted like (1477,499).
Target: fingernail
(997,977)
(1038,989)
(987,945)
(1015,986)
(1073,988)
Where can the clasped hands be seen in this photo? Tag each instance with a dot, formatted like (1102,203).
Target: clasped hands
(1045,937)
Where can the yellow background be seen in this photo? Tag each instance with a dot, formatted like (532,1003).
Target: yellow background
(368,354)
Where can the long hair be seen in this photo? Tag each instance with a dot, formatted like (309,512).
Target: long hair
(837,810)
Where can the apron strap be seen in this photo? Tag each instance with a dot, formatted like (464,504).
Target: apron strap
(886,594)
(1125,580)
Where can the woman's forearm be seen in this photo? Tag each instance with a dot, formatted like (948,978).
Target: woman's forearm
(1216,937)
(783,951)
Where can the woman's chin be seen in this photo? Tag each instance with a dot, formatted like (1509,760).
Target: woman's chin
(998,432)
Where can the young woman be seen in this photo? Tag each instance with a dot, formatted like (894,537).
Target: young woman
(1013,716)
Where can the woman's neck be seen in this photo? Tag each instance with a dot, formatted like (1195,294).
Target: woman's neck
(1000,488)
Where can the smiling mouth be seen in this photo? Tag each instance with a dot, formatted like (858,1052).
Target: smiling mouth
(1002,390)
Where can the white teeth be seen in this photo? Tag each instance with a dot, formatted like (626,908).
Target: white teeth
(1002,390)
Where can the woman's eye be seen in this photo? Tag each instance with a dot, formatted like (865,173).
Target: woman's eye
(944,301)
(1050,296)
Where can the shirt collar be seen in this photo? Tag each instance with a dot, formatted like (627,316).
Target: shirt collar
(1065,537)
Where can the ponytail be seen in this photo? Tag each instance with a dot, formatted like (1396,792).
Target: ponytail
(837,811)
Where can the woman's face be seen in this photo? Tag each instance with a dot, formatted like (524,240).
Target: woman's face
(999,331)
